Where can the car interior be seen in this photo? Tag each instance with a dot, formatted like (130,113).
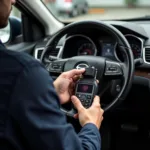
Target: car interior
(119,49)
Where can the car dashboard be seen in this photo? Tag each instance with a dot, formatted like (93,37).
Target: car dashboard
(103,46)
(98,44)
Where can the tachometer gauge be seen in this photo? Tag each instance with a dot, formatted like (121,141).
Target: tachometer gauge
(136,50)
(136,44)
(87,49)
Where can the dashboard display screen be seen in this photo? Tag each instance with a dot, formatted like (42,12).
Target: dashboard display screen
(108,49)
(85,88)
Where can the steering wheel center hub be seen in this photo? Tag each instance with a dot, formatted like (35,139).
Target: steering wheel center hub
(82,65)
(86,61)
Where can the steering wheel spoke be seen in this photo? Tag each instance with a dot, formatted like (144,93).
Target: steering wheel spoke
(56,66)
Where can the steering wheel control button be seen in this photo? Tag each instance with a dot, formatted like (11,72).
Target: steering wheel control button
(113,69)
(118,88)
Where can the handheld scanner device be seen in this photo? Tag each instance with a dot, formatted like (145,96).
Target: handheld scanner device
(87,87)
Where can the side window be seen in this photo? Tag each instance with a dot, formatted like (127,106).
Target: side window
(5,33)
(15,12)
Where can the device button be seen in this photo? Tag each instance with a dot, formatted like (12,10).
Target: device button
(83,96)
(89,97)
(87,101)
(78,95)
(86,105)
(82,100)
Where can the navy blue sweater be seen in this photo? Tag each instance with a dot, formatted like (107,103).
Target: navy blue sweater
(30,116)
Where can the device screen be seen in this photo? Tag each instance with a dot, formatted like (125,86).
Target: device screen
(85,88)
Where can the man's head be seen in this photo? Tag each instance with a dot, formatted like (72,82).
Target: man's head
(5,10)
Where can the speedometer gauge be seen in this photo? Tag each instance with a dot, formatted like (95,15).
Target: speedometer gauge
(87,49)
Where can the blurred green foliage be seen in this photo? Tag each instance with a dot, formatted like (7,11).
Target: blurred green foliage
(131,2)
(16,12)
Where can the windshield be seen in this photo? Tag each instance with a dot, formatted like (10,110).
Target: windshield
(75,10)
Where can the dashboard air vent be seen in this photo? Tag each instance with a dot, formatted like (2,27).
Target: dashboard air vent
(54,52)
(39,53)
(147,54)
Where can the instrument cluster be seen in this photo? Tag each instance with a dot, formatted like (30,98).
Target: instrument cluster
(105,46)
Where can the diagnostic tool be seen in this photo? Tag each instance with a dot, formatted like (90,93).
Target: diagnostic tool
(87,87)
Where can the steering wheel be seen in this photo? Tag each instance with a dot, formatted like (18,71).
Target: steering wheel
(106,68)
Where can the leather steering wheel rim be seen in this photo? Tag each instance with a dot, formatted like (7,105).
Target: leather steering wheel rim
(122,42)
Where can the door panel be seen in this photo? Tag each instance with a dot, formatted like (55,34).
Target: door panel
(23,47)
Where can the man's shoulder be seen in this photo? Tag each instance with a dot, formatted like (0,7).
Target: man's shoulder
(18,59)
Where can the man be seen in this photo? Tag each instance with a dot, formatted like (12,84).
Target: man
(30,117)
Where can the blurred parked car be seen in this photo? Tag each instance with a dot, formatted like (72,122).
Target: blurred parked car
(69,7)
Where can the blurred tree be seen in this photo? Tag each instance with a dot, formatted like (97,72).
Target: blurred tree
(131,3)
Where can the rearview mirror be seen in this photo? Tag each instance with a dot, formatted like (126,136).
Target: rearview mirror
(5,34)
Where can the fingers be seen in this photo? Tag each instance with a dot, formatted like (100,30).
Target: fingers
(102,112)
(72,73)
(76,78)
(97,81)
(76,102)
(102,118)
(76,116)
(72,88)
(96,101)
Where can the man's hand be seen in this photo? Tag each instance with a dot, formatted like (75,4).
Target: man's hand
(65,84)
(92,115)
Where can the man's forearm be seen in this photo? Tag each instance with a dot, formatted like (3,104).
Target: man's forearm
(90,137)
